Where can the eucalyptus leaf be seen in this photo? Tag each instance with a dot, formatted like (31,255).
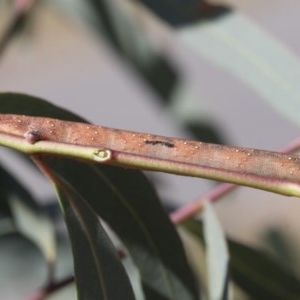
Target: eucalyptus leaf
(180,13)
(237,45)
(261,276)
(120,23)
(98,270)
(37,227)
(254,271)
(28,217)
(217,256)
(126,201)
(22,104)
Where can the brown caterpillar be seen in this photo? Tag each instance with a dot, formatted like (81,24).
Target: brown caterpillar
(234,159)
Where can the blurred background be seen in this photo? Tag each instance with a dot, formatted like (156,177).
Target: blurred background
(225,73)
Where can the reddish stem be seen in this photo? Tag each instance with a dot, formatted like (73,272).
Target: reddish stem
(51,288)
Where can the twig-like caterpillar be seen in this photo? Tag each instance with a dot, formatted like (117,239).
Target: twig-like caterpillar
(272,166)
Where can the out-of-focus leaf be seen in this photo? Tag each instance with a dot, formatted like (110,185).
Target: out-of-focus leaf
(124,199)
(282,247)
(9,185)
(7,226)
(98,270)
(217,256)
(255,272)
(15,103)
(27,216)
(195,252)
(19,16)
(260,275)
(204,131)
(186,109)
(180,13)
(251,55)
(120,21)
(127,202)
(35,226)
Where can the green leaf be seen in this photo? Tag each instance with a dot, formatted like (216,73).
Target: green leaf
(120,23)
(98,270)
(28,217)
(181,13)
(127,202)
(260,275)
(254,271)
(217,255)
(237,45)
(16,103)
(37,227)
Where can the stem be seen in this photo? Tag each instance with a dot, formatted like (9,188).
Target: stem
(44,292)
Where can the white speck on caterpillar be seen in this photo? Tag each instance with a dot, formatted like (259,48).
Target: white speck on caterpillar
(102,155)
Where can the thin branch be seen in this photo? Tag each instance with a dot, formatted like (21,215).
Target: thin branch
(52,288)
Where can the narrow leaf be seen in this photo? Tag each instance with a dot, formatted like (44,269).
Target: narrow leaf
(180,13)
(261,276)
(33,106)
(254,271)
(35,226)
(238,45)
(217,256)
(28,217)
(124,199)
(98,270)
(120,23)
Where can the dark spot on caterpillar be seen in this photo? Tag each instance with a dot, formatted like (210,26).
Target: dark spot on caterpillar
(32,136)
(166,144)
